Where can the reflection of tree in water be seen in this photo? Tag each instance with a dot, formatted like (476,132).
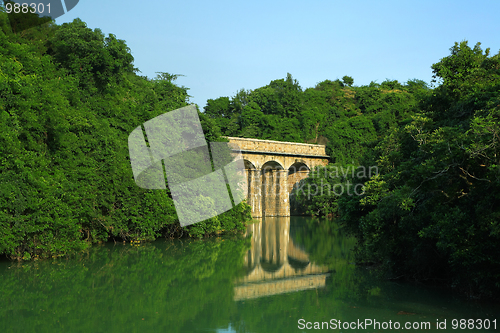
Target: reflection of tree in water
(166,283)
(275,264)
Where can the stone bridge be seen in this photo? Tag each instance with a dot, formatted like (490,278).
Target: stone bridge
(273,168)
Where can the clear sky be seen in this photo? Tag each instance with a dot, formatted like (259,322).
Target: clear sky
(223,46)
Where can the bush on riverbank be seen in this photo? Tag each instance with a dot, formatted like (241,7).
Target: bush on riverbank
(433,214)
(69,98)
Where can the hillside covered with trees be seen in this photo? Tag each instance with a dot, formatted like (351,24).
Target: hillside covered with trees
(69,98)
(431,212)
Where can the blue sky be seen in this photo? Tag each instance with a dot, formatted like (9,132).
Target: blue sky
(223,46)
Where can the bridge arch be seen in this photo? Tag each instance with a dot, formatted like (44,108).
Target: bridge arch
(296,172)
(299,165)
(249,165)
(272,165)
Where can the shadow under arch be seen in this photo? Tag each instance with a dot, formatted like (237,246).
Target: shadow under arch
(249,165)
(297,172)
(273,176)
(298,166)
(272,165)
(270,267)
(298,264)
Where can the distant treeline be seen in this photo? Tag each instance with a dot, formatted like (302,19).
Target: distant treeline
(69,98)
(349,120)
(433,211)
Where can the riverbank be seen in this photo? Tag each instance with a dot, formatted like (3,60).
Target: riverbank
(70,97)
(200,285)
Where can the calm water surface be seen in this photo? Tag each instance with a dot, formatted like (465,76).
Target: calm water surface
(290,272)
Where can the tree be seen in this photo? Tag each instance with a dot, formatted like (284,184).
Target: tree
(95,60)
(219,108)
(251,115)
(348,81)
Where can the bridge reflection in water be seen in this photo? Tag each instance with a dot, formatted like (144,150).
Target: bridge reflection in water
(276,265)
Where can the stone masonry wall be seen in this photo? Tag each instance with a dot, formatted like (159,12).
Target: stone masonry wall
(278,146)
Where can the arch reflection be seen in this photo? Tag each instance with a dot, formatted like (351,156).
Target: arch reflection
(275,264)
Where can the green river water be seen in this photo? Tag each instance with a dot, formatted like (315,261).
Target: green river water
(291,273)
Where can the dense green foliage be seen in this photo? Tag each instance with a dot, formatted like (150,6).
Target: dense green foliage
(349,120)
(433,211)
(415,174)
(69,98)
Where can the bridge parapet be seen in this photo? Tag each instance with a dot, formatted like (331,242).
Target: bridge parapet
(279,147)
